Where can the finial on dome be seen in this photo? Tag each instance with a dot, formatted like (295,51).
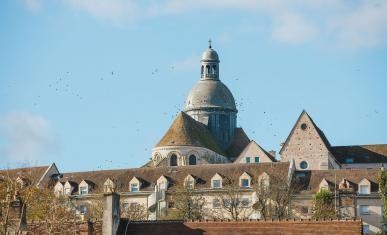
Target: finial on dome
(209,43)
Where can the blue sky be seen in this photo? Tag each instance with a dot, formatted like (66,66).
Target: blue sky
(94,84)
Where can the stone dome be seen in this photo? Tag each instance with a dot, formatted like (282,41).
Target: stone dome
(210,55)
(210,94)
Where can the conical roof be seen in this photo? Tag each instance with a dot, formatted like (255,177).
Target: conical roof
(186,131)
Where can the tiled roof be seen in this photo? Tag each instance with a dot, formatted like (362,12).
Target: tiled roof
(240,141)
(186,131)
(312,179)
(361,153)
(31,173)
(149,176)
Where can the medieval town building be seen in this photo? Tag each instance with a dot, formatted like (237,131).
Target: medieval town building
(205,150)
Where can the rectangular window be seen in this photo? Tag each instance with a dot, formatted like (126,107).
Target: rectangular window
(189,184)
(245,202)
(162,186)
(256,159)
(125,205)
(67,191)
(82,209)
(226,203)
(364,210)
(83,190)
(133,205)
(366,229)
(247,159)
(364,189)
(216,184)
(245,183)
(134,187)
(216,203)
(304,209)
(349,160)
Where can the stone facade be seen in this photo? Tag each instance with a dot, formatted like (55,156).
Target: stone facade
(307,146)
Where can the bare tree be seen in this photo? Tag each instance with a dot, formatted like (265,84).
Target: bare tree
(134,211)
(185,202)
(231,200)
(274,195)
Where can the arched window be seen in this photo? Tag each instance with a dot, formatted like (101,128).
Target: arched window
(173,160)
(207,69)
(202,71)
(192,160)
(214,69)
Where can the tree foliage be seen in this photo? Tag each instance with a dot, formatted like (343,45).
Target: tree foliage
(324,205)
(383,191)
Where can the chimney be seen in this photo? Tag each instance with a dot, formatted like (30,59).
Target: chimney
(272,153)
(111,213)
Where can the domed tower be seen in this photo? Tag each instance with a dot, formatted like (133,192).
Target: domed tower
(211,102)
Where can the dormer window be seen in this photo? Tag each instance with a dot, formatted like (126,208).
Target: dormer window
(109,186)
(134,184)
(216,183)
(364,187)
(84,187)
(134,187)
(83,190)
(189,182)
(324,185)
(162,183)
(244,180)
(245,183)
(349,160)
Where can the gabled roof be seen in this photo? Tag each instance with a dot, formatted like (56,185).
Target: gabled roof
(319,132)
(259,147)
(238,144)
(376,153)
(186,131)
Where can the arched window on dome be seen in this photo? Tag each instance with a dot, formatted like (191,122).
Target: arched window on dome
(207,69)
(214,69)
(173,160)
(192,160)
(202,71)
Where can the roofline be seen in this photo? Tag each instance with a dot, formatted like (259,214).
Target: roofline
(46,172)
(294,127)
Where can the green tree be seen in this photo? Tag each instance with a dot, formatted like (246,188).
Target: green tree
(383,192)
(324,205)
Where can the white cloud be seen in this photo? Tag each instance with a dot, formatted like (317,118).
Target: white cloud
(115,11)
(28,137)
(364,26)
(293,28)
(187,64)
(33,5)
(360,23)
